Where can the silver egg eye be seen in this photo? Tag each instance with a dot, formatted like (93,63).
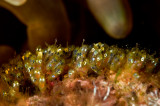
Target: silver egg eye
(96,71)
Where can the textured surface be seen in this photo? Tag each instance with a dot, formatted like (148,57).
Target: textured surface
(95,74)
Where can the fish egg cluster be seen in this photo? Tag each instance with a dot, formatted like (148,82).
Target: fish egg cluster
(132,74)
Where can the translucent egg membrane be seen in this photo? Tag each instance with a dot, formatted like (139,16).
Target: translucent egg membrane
(95,74)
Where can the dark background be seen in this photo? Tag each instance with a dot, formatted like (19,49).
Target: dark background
(145,32)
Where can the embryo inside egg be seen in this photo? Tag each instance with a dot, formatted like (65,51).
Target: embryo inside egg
(91,74)
(96,74)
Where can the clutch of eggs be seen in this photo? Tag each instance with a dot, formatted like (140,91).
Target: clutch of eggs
(95,74)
